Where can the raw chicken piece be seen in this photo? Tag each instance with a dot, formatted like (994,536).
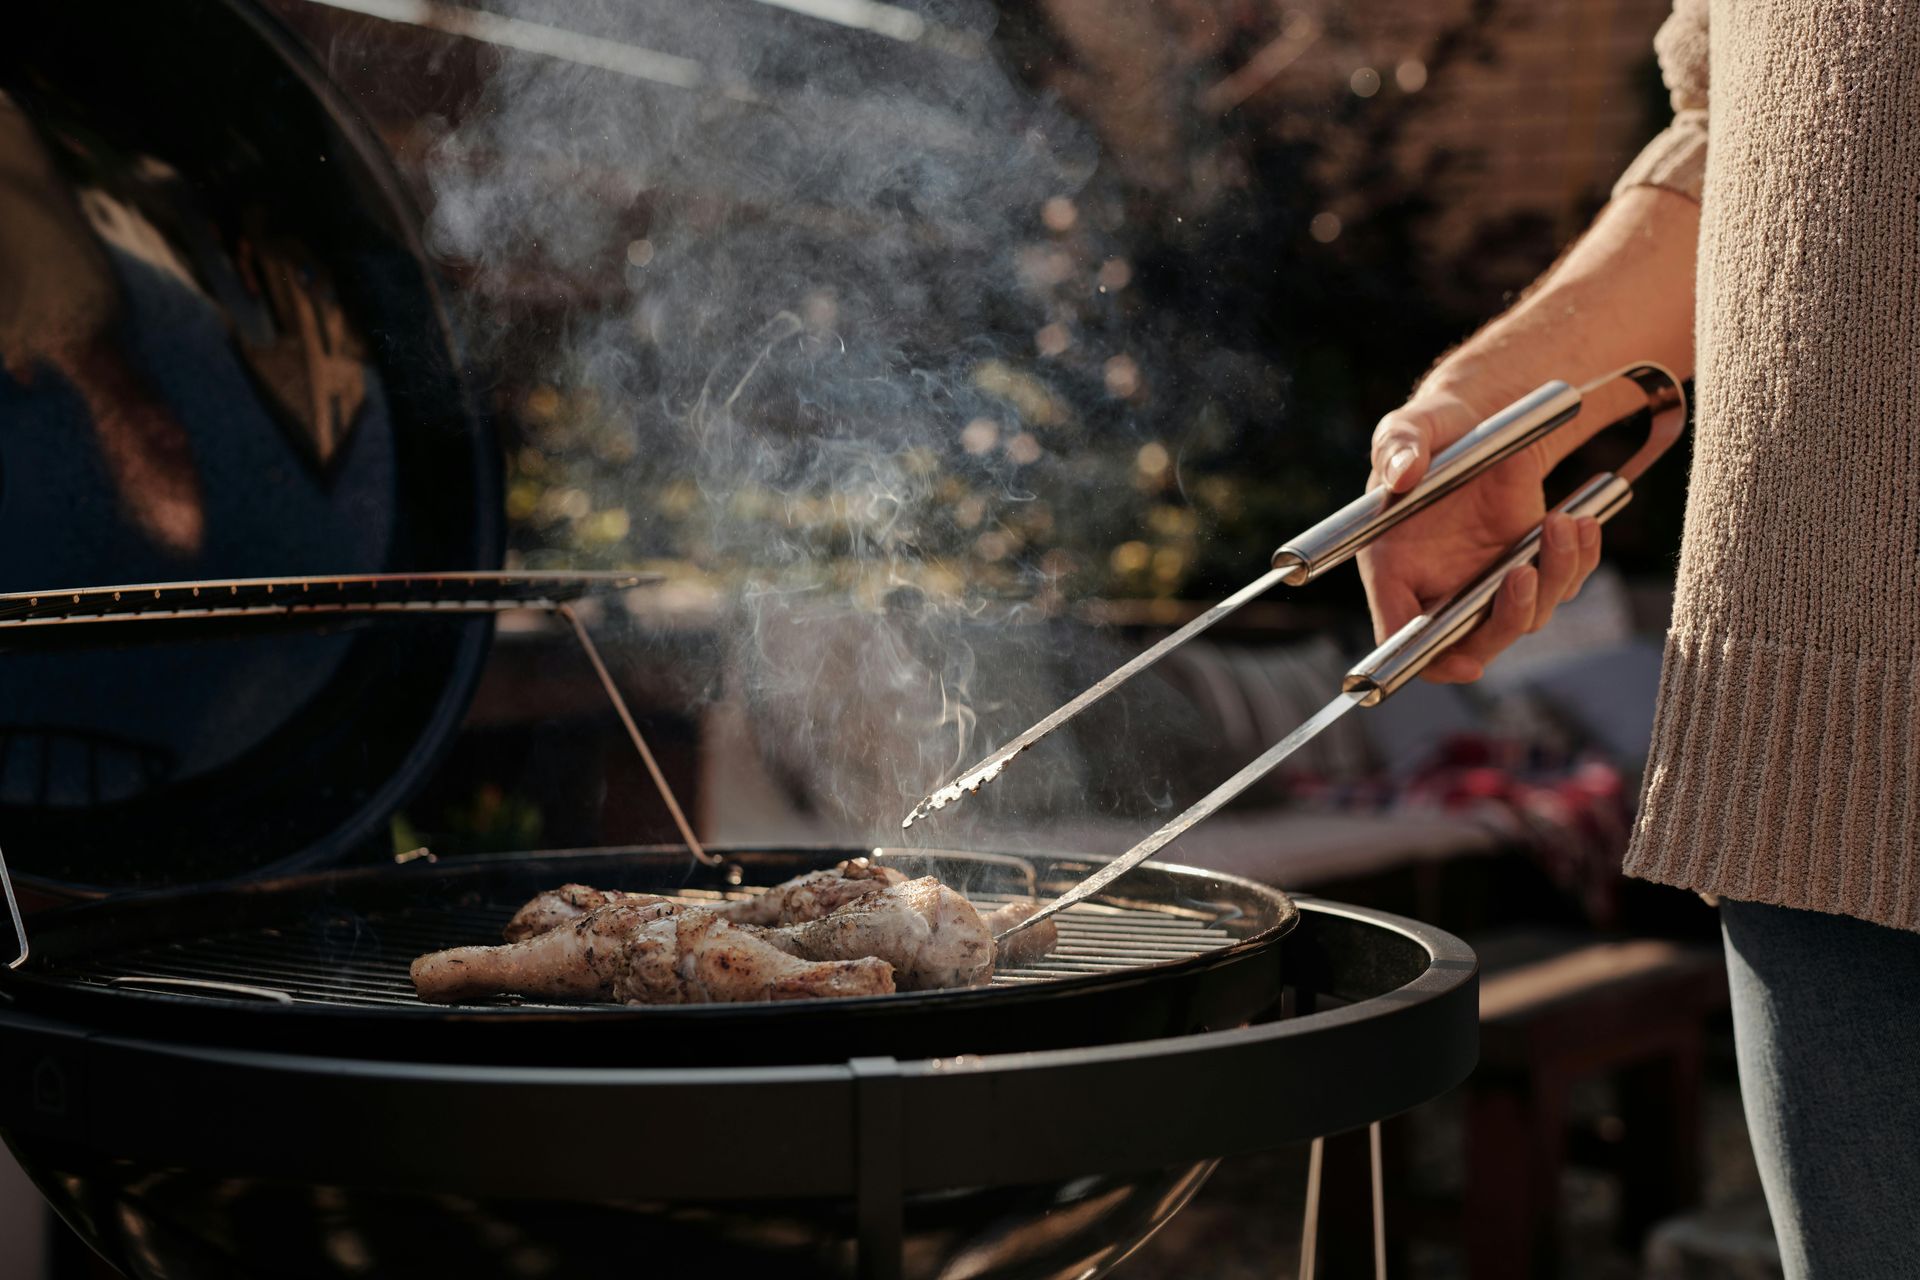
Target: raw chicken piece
(931,935)
(1029,944)
(569,902)
(650,953)
(816,894)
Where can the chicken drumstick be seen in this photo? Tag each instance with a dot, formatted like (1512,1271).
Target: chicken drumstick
(645,953)
(806,897)
(919,934)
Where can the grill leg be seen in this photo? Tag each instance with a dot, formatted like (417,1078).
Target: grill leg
(878,1142)
(1310,1224)
(1379,1203)
(1354,1178)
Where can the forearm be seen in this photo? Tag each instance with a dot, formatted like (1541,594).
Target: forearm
(1623,293)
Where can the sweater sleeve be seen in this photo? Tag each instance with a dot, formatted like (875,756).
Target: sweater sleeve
(1677,157)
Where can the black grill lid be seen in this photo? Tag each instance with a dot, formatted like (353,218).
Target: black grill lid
(221,356)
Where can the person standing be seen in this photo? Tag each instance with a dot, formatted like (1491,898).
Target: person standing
(1768,241)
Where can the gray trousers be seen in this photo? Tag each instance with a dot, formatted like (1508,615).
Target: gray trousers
(1826,1017)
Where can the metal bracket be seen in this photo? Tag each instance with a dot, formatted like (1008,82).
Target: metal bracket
(566,611)
(479,591)
(13,910)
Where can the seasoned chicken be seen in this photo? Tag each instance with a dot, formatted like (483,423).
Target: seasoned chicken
(650,953)
(581,959)
(816,894)
(931,935)
(710,960)
(806,897)
(569,902)
(1029,944)
(874,929)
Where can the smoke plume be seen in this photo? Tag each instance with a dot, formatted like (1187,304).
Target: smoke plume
(809,296)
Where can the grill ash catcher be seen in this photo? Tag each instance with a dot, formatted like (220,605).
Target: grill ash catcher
(1333,542)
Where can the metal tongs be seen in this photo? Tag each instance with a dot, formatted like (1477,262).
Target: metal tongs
(1336,540)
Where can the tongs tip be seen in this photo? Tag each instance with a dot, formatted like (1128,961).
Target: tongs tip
(965,785)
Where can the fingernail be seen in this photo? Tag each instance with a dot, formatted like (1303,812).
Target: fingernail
(1528,586)
(1397,464)
(1561,535)
(1589,532)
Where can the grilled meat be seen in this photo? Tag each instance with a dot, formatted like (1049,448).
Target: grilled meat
(919,934)
(650,953)
(568,903)
(806,897)
(581,959)
(1028,945)
(816,894)
(931,935)
(709,960)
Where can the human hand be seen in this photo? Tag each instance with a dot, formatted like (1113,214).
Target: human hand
(1422,561)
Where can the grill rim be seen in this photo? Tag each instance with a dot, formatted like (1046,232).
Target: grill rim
(1226,982)
(259,962)
(1402,1028)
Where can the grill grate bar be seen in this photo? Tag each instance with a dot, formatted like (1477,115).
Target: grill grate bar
(281,972)
(352,960)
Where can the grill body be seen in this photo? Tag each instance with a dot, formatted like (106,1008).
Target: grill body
(180,1158)
(308,963)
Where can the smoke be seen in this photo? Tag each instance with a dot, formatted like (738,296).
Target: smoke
(808,336)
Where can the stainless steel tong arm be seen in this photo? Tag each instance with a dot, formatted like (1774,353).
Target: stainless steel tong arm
(1340,536)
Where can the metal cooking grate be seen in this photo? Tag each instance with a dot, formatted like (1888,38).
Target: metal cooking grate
(348,959)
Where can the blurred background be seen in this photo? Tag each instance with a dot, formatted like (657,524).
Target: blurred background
(941,353)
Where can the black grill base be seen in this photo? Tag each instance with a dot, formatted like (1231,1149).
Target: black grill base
(161,1224)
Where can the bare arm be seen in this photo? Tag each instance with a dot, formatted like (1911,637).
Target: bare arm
(1623,294)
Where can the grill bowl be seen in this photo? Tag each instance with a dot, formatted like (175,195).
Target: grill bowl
(182,1160)
(307,963)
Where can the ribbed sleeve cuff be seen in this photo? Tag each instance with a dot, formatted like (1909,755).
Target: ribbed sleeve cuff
(1676,159)
(1787,776)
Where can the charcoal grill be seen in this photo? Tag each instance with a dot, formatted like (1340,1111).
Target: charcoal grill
(315,1122)
(210,1066)
(292,964)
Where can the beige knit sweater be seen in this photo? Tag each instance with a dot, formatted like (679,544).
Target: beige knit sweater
(1786,754)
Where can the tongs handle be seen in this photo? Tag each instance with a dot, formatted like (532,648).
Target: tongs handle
(1336,539)
(1408,651)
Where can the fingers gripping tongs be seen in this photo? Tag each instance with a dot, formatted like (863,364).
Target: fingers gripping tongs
(1336,540)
